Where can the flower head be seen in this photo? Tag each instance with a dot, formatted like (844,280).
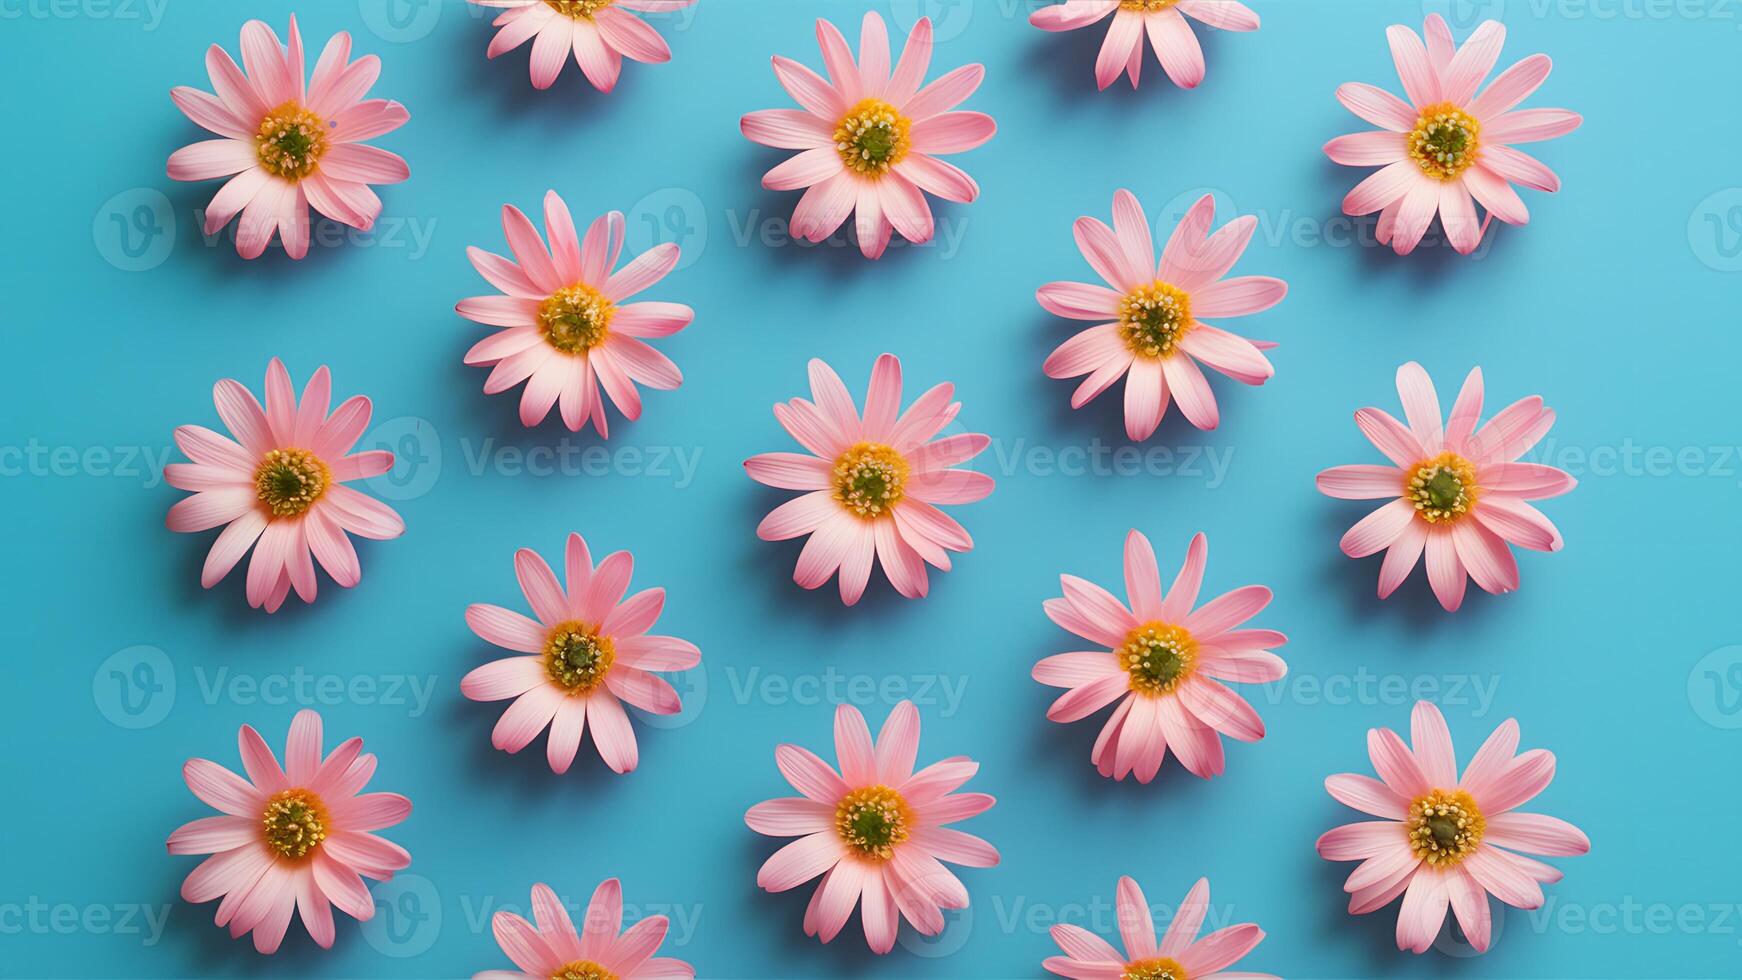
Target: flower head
(600,32)
(566,330)
(289,145)
(588,651)
(1180,955)
(1164,665)
(872,482)
(1154,338)
(870,136)
(875,830)
(1176,46)
(1448,148)
(279,487)
(553,949)
(289,840)
(1443,840)
(1458,493)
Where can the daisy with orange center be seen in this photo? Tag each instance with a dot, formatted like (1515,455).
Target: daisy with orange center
(1176,45)
(870,136)
(1443,841)
(1180,955)
(1458,493)
(1165,665)
(551,948)
(566,329)
(586,653)
(872,482)
(875,830)
(601,33)
(1449,147)
(288,146)
(278,487)
(290,840)
(1154,337)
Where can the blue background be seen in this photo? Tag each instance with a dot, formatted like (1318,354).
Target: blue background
(1617,304)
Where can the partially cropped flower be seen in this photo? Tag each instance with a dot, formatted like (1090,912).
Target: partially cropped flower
(588,651)
(875,831)
(1179,955)
(566,330)
(1164,665)
(600,32)
(279,487)
(291,840)
(1154,339)
(1176,46)
(872,482)
(1448,148)
(553,949)
(871,136)
(1458,494)
(1444,841)
(290,146)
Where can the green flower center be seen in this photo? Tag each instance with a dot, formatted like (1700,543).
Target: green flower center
(872,821)
(1442,489)
(576,319)
(294,822)
(1153,318)
(577,658)
(290,141)
(289,481)
(1444,141)
(869,478)
(1444,827)
(1158,657)
(1156,969)
(872,137)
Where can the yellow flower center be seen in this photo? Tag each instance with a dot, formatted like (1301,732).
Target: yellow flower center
(1442,489)
(1444,827)
(289,481)
(1444,141)
(1156,969)
(583,969)
(1153,318)
(578,658)
(1148,7)
(290,141)
(872,821)
(295,823)
(1159,657)
(869,477)
(576,319)
(872,137)
(579,10)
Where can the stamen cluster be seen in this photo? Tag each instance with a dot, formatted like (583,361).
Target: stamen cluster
(869,478)
(872,137)
(1152,318)
(576,319)
(289,481)
(1444,141)
(1158,656)
(872,821)
(578,658)
(294,823)
(1442,489)
(1444,827)
(290,141)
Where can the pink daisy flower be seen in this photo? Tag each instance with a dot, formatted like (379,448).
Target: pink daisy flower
(1448,148)
(600,32)
(588,651)
(1176,46)
(870,136)
(1154,340)
(873,483)
(1458,494)
(1180,953)
(290,840)
(288,146)
(875,831)
(1164,665)
(555,948)
(1442,840)
(279,487)
(564,323)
